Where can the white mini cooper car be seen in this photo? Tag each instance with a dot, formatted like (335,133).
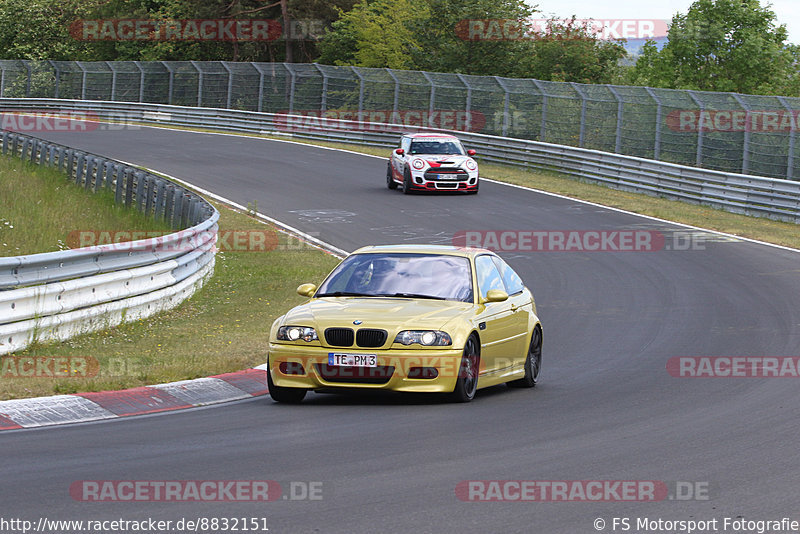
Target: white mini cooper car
(432,162)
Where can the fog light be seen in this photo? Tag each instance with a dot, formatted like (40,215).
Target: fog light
(423,372)
(291,368)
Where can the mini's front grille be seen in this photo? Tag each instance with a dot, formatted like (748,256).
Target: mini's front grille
(354,375)
(371,337)
(456,174)
(339,337)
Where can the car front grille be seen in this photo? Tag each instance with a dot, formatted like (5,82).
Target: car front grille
(339,337)
(354,375)
(371,337)
(452,173)
(365,337)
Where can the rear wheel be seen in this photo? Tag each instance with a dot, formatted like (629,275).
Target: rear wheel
(467,382)
(533,363)
(390,183)
(281,394)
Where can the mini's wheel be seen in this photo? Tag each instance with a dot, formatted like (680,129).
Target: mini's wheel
(407,182)
(390,183)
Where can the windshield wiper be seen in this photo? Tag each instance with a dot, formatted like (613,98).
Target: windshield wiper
(412,296)
(344,294)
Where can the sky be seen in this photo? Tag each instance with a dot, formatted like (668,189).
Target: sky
(787,11)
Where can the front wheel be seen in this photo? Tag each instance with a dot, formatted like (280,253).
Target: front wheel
(282,394)
(533,363)
(467,382)
(390,183)
(407,182)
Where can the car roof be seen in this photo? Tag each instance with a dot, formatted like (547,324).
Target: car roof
(444,136)
(425,249)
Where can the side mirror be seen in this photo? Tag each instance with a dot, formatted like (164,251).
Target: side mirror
(399,151)
(306,290)
(471,152)
(496,295)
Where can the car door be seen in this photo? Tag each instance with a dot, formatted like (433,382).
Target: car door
(498,322)
(398,161)
(522,305)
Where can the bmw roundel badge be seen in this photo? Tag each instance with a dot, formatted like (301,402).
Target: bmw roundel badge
(356,322)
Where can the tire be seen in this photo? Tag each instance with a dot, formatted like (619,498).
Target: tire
(407,182)
(390,183)
(282,394)
(533,363)
(467,382)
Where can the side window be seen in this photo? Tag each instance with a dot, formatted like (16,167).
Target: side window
(511,279)
(405,144)
(488,275)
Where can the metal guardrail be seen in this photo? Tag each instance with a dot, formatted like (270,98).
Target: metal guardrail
(57,295)
(739,193)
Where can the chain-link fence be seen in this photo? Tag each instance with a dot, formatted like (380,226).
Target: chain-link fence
(723,131)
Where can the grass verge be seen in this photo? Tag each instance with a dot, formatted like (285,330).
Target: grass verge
(39,208)
(221,328)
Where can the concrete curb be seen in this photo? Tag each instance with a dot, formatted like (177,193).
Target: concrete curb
(84,407)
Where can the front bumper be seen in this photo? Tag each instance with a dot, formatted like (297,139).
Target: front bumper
(398,369)
(445,181)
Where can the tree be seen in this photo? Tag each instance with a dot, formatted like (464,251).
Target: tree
(375,34)
(722,45)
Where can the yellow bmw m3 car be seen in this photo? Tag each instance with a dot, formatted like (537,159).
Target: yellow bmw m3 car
(413,318)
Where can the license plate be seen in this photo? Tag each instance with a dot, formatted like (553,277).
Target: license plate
(353,360)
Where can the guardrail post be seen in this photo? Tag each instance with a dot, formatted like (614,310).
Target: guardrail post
(129,177)
(657,142)
(160,198)
(79,169)
(119,175)
(700,126)
(169,205)
(139,177)
(149,189)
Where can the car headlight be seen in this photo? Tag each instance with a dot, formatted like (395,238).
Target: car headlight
(423,337)
(293,333)
(471,165)
(418,164)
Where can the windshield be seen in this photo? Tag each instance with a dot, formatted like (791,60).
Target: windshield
(436,146)
(401,275)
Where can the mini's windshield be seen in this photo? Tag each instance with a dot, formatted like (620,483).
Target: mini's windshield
(443,146)
(431,276)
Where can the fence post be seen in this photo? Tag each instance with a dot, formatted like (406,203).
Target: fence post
(28,81)
(230,84)
(171,81)
(199,84)
(700,126)
(83,80)
(792,136)
(360,94)
(291,86)
(582,134)
(746,145)
(141,81)
(468,110)
(657,142)
(620,109)
(506,102)
(432,101)
(323,105)
(396,100)
(545,99)
(2,81)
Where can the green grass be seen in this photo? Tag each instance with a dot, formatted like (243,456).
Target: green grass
(39,208)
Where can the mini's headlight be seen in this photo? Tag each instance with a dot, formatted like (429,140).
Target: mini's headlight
(471,165)
(293,333)
(423,337)
(418,164)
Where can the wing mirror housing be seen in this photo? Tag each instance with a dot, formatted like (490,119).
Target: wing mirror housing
(471,152)
(306,290)
(399,151)
(495,295)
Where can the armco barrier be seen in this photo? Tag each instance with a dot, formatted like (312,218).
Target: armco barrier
(57,295)
(739,193)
